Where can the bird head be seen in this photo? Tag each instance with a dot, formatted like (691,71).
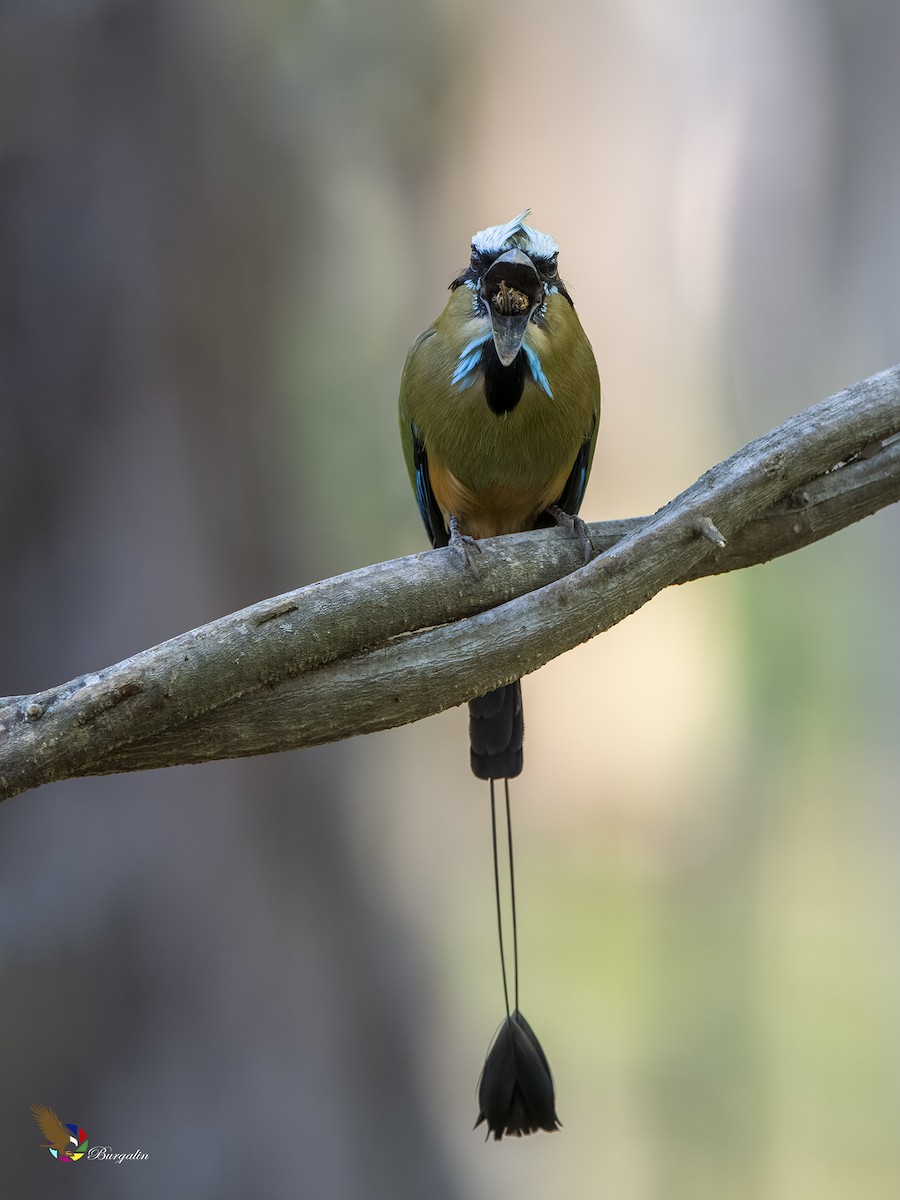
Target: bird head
(511,274)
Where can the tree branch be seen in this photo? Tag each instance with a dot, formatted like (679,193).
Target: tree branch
(398,641)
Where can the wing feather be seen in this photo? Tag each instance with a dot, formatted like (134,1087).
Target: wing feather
(51,1127)
(429,509)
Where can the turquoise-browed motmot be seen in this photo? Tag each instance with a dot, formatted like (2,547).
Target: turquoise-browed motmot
(499,406)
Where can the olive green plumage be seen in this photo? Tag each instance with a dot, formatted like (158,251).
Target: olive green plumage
(512,459)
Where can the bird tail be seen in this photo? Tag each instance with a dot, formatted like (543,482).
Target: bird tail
(496,732)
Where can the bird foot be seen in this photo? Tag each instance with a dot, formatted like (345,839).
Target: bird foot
(576,527)
(466,547)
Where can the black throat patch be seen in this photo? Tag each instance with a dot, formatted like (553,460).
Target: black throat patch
(503,385)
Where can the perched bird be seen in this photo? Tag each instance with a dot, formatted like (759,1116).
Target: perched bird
(499,406)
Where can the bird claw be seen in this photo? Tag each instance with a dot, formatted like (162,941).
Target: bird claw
(576,527)
(466,547)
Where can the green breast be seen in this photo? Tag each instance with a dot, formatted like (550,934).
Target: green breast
(524,446)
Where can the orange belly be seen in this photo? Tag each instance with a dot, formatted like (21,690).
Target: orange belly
(497,509)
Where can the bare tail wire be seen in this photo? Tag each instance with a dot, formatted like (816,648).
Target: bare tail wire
(497,894)
(512,896)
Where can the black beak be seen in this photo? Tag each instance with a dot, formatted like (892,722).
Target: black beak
(512,289)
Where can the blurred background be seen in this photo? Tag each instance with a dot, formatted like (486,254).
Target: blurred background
(221,226)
